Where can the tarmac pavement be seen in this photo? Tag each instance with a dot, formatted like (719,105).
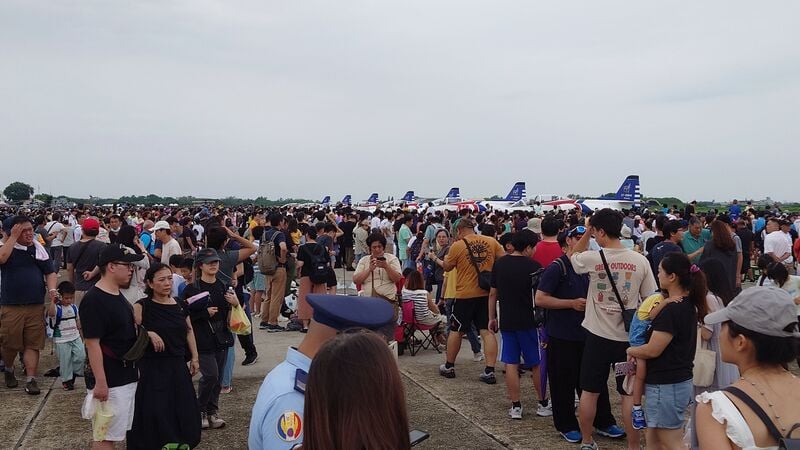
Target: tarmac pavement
(461,413)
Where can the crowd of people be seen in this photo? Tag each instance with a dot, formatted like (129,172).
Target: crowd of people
(138,301)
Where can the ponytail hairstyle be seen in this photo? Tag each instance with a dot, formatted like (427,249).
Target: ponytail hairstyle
(691,278)
(777,272)
(763,263)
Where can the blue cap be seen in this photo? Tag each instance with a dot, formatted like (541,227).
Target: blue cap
(342,312)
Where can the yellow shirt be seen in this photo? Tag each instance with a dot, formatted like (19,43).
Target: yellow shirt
(486,251)
(450,284)
(296,235)
(647,305)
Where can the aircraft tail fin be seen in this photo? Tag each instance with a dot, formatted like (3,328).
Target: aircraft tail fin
(409,197)
(326,200)
(453,193)
(373,198)
(629,191)
(517,192)
(346,200)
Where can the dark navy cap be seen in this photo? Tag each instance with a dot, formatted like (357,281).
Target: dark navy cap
(207,256)
(342,312)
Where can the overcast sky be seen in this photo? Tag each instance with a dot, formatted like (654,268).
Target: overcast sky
(305,99)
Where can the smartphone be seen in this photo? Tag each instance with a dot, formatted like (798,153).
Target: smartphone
(418,436)
(381,258)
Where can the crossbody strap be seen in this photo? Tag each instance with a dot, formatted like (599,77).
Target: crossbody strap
(611,280)
(471,257)
(756,408)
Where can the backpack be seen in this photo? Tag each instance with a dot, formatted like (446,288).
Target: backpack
(320,262)
(539,313)
(52,326)
(415,248)
(148,242)
(267,257)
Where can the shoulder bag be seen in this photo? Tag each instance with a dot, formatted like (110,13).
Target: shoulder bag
(705,364)
(784,442)
(627,314)
(485,276)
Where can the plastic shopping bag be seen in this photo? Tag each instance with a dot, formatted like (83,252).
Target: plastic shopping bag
(100,414)
(239,323)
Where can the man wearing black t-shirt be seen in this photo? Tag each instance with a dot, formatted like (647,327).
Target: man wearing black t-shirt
(110,331)
(347,228)
(511,285)
(673,235)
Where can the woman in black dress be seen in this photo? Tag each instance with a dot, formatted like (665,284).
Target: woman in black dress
(166,410)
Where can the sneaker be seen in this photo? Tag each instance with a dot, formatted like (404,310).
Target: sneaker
(478,357)
(544,410)
(592,446)
(215,422)
(68,385)
(637,416)
(488,378)
(32,388)
(273,328)
(515,412)
(203,421)
(572,437)
(613,432)
(250,359)
(263,326)
(11,380)
(226,389)
(447,373)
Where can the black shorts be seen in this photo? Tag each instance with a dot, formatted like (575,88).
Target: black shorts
(599,356)
(330,279)
(469,311)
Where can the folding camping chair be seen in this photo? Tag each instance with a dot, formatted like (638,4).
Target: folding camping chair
(411,328)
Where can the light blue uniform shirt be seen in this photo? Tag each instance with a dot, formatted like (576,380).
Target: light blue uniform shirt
(277,420)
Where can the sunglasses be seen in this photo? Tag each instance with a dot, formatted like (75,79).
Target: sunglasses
(579,230)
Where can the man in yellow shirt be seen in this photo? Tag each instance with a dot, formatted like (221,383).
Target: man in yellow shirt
(471,254)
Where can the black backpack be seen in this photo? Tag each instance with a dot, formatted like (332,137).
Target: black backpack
(320,262)
(539,313)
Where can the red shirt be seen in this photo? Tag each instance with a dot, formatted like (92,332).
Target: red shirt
(547,252)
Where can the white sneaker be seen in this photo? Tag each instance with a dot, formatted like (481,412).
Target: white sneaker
(515,412)
(544,411)
(478,357)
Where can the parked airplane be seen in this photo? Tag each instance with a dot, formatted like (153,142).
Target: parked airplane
(514,201)
(409,200)
(370,204)
(627,197)
(453,202)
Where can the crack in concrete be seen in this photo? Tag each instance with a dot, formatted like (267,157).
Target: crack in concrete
(35,415)
(433,394)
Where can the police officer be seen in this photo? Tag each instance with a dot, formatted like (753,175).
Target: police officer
(277,419)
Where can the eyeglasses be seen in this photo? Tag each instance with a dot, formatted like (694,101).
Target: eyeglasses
(579,230)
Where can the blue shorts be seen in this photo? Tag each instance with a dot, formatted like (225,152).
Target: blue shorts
(665,404)
(524,342)
(638,334)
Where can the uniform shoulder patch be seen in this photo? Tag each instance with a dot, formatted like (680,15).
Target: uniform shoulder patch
(289,426)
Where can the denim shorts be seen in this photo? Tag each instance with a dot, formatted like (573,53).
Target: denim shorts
(638,334)
(665,404)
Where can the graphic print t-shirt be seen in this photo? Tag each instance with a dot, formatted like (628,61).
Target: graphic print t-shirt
(634,280)
(486,251)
